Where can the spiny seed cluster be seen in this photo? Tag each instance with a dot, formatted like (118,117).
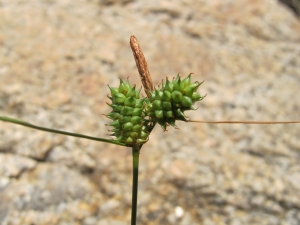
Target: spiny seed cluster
(127,115)
(167,104)
(134,117)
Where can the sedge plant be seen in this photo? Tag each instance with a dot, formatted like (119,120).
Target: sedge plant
(133,117)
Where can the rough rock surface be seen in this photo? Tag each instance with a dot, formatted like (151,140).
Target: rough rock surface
(56,58)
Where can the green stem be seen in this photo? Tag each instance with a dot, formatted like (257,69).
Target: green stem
(135,176)
(23,123)
(243,122)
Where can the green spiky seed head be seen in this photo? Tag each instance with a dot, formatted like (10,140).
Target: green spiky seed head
(129,124)
(167,104)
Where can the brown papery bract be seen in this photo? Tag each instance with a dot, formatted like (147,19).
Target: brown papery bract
(141,65)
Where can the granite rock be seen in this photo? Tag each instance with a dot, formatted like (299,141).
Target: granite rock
(56,59)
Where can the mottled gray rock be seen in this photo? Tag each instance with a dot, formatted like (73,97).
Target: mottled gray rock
(48,194)
(13,165)
(56,58)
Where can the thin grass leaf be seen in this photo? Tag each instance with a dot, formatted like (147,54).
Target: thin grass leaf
(243,122)
(26,124)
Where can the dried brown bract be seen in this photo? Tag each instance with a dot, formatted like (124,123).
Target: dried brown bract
(141,65)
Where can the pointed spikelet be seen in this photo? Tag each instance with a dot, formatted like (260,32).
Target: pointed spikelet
(166,105)
(129,124)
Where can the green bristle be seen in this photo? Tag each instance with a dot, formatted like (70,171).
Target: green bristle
(176,96)
(131,92)
(177,84)
(113,115)
(134,135)
(136,120)
(158,94)
(127,126)
(159,114)
(123,87)
(119,98)
(169,114)
(137,112)
(189,90)
(195,85)
(167,105)
(156,105)
(166,96)
(113,90)
(178,112)
(137,93)
(186,81)
(126,111)
(141,141)
(115,107)
(139,103)
(129,140)
(130,101)
(124,119)
(196,96)
(115,123)
(186,101)
(144,135)
(137,127)
(169,86)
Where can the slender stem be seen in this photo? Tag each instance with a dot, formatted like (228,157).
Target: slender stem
(23,123)
(243,122)
(135,176)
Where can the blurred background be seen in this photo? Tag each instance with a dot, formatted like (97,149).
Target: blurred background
(56,60)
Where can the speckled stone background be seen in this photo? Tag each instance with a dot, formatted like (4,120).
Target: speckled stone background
(56,59)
